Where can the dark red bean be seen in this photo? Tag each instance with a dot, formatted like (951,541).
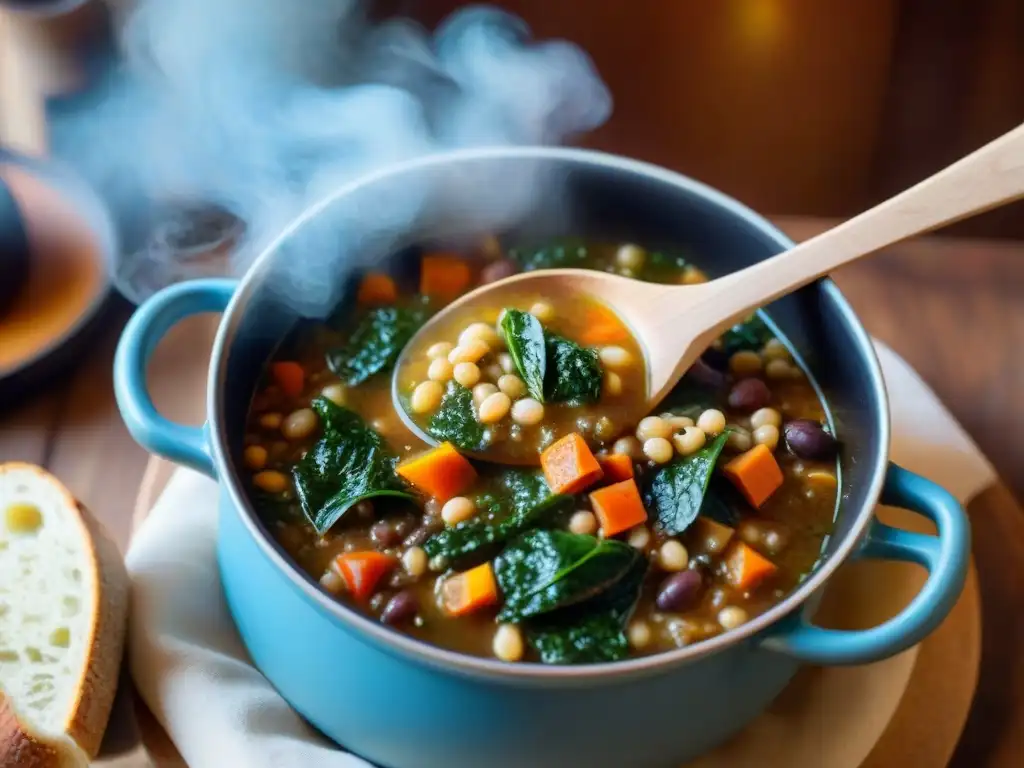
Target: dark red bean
(400,608)
(703,374)
(679,591)
(405,525)
(384,534)
(424,532)
(749,394)
(498,270)
(808,440)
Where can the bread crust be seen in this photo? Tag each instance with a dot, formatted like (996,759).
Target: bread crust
(97,686)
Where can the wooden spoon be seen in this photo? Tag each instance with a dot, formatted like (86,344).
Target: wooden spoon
(675,324)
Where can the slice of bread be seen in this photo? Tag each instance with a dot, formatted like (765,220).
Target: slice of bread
(63,611)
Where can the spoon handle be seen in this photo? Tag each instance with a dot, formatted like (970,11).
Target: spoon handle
(987,178)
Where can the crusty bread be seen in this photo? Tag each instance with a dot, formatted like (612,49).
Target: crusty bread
(63,609)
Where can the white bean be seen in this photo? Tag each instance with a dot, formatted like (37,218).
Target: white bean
(470,352)
(426,397)
(482,391)
(712,421)
(439,370)
(745,363)
(612,383)
(512,385)
(494,408)
(299,424)
(639,634)
(732,616)
(658,450)
(508,365)
(630,256)
(767,435)
(583,522)
(458,509)
(639,537)
(653,426)
(615,357)
(439,349)
(335,393)
(481,331)
(508,643)
(763,416)
(527,412)
(543,311)
(414,559)
(467,374)
(690,440)
(673,556)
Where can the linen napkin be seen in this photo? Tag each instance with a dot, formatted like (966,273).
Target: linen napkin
(191,669)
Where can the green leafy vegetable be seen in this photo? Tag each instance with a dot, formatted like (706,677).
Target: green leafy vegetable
(592,631)
(455,421)
(544,570)
(555,256)
(349,463)
(676,492)
(514,489)
(751,334)
(375,343)
(573,372)
(723,503)
(525,339)
(474,536)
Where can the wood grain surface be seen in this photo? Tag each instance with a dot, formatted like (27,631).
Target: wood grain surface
(950,307)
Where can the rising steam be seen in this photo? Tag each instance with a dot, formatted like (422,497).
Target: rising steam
(263,107)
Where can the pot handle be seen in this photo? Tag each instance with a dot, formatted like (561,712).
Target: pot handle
(944,556)
(157,315)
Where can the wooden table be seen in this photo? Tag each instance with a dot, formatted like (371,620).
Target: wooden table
(952,308)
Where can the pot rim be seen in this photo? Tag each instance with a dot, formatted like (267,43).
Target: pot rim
(392,641)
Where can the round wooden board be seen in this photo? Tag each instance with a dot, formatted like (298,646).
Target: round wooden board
(905,711)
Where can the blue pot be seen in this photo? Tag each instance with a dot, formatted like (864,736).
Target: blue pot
(399,702)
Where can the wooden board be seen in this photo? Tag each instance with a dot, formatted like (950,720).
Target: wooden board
(907,711)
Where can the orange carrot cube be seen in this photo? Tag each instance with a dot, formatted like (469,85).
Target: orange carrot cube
(569,465)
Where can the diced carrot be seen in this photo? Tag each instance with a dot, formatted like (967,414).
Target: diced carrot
(289,376)
(362,571)
(616,467)
(602,327)
(569,466)
(443,275)
(745,568)
(377,288)
(470,591)
(755,473)
(618,507)
(441,472)
(711,536)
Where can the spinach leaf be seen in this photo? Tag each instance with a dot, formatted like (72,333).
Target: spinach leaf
(455,420)
(375,343)
(477,535)
(592,631)
(723,503)
(676,491)
(525,339)
(752,333)
(349,463)
(573,372)
(514,489)
(554,256)
(544,570)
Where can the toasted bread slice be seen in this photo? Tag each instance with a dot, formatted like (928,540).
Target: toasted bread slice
(63,611)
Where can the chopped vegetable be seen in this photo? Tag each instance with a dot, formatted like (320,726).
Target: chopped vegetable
(710,536)
(470,591)
(756,474)
(573,373)
(443,276)
(542,571)
(616,467)
(362,571)
(441,472)
(289,376)
(745,568)
(348,464)
(377,288)
(676,492)
(618,507)
(569,466)
(592,631)
(455,420)
(602,327)
(479,535)
(376,342)
(524,336)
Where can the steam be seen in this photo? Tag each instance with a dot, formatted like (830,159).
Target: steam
(264,107)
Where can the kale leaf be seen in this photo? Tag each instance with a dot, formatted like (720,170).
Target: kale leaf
(349,463)
(544,570)
(455,420)
(592,631)
(524,336)
(573,372)
(676,491)
(375,343)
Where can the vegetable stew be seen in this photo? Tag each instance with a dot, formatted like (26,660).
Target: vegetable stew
(632,536)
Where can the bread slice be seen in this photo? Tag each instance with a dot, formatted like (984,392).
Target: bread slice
(63,611)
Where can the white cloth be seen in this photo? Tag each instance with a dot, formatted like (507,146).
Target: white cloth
(191,668)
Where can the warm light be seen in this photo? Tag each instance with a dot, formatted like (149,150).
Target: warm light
(760,21)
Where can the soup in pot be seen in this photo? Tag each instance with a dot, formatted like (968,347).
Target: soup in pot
(605,532)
